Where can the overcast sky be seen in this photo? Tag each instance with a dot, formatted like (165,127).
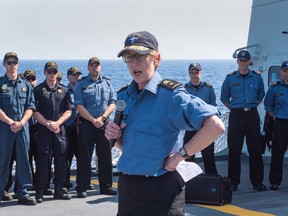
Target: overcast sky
(79,29)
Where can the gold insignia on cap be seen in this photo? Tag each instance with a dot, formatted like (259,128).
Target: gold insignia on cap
(51,64)
(24,89)
(59,91)
(137,48)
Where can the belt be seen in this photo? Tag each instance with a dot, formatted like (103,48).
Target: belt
(137,176)
(245,109)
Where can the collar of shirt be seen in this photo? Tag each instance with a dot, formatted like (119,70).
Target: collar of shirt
(55,87)
(151,86)
(6,78)
(94,81)
(238,74)
(190,84)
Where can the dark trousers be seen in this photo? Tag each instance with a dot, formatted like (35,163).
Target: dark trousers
(32,133)
(18,142)
(207,154)
(153,196)
(10,178)
(50,145)
(244,124)
(279,147)
(89,136)
(72,148)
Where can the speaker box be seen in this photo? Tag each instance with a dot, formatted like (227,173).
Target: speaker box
(209,189)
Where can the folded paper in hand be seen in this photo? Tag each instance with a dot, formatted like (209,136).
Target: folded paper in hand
(188,170)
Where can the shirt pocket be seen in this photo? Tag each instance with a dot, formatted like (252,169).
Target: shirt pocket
(105,95)
(89,96)
(236,91)
(22,99)
(254,89)
(6,99)
(149,140)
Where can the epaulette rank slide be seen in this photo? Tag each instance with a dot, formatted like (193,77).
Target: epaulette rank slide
(257,72)
(170,84)
(123,88)
(275,83)
(207,84)
(231,73)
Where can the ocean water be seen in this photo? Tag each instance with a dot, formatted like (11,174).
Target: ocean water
(213,71)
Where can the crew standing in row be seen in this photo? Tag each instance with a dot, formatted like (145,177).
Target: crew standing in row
(242,91)
(53,108)
(95,101)
(206,92)
(72,130)
(16,108)
(276,103)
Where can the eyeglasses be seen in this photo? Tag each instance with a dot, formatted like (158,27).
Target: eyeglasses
(128,58)
(52,72)
(12,62)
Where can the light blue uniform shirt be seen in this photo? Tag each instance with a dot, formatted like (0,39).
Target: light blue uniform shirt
(205,91)
(276,100)
(242,92)
(156,120)
(95,96)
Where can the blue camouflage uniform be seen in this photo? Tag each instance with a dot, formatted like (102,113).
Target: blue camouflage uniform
(155,123)
(15,98)
(276,101)
(206,92)
(95,96)
(243,94)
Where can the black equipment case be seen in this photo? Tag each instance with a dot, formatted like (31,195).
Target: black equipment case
(209,189)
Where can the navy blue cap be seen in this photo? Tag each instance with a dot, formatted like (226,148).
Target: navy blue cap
(10,54)
(141,42)
(243,54)
(195,65)
(51,65)
(284,65)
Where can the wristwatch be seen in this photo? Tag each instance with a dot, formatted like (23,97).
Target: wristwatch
(183,153)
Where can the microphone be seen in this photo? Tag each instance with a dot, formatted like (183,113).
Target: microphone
(120,106)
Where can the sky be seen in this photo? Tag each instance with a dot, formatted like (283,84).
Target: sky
(79,29)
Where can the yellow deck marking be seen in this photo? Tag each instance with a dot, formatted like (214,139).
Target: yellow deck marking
(235,210)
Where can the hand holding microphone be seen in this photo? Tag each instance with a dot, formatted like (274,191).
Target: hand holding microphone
(120,107)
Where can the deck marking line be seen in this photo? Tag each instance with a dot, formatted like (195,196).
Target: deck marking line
(231,209)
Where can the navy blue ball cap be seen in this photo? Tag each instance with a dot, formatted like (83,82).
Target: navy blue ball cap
(51,65)
(10,54)
(243,54)
(195,65)
(284,65)
(141,42)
